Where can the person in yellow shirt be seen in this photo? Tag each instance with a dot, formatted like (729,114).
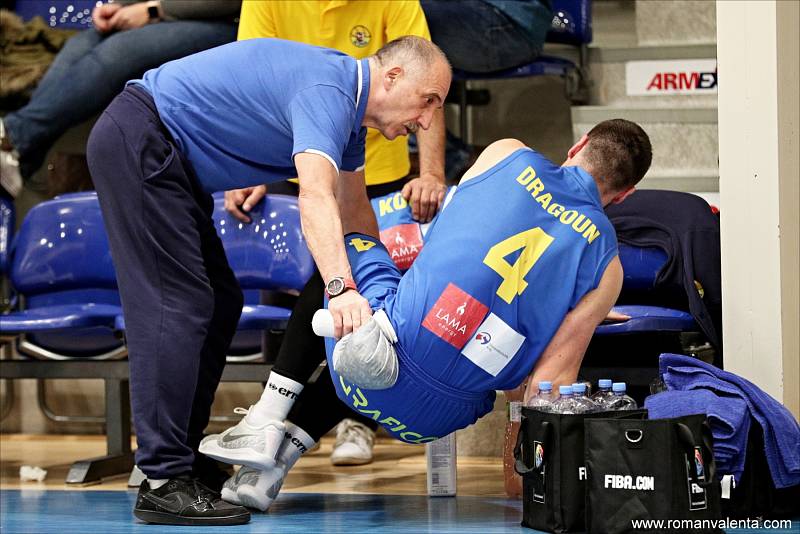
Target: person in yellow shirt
(359,29)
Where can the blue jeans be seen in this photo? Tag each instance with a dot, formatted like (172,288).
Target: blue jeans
(478,37)
(91,70)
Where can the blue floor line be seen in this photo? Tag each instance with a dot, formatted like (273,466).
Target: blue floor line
(109,512)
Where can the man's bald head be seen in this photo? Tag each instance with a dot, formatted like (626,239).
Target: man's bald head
(413,53)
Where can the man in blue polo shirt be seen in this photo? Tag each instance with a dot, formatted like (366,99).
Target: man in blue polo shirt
(247,113)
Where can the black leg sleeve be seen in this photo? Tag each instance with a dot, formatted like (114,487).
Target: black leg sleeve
(302,350)
(318,409)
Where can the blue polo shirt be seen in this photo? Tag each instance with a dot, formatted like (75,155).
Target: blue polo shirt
(241,112)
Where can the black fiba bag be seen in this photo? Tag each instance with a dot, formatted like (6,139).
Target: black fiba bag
(659,469)
(549,456)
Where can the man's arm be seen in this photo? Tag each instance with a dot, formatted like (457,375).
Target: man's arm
(322,227)
(561,360)
(426,193)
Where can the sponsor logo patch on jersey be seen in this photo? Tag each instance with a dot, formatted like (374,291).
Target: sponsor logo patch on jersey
(404,242)
(455,316)
(494,345)
(360,36)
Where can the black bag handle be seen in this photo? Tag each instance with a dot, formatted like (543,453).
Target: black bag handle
(519,463)
(686,439)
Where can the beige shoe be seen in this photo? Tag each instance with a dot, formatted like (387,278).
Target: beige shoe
(354,442)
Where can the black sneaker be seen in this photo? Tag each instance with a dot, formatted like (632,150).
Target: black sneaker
(184,501)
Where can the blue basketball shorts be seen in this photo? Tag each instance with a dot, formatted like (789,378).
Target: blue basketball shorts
(418,408)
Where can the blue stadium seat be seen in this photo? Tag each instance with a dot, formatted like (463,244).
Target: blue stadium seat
(66,14)
(268,254)
(60,267)
(572,25)
(641,266)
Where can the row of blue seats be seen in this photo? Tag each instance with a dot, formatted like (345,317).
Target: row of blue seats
(63,277)
(68,305)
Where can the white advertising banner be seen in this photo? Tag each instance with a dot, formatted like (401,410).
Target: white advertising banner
(671,77)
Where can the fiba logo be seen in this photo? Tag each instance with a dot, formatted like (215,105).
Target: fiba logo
(483,337)
(538,455)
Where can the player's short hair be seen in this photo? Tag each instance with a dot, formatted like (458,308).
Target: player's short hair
(619,153)
(411,51)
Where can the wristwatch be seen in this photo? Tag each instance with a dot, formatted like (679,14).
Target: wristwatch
(338,285)
(152,11)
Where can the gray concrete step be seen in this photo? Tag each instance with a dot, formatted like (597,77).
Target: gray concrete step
(685,143)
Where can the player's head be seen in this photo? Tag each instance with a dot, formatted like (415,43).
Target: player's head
(617,153)
(410,79)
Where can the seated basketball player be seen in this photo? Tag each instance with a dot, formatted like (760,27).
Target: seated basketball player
(516,272)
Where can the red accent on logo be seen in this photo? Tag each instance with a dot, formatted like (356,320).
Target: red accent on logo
(404,243)
(455,316)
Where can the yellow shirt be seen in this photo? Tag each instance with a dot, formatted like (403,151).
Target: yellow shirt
(357,28)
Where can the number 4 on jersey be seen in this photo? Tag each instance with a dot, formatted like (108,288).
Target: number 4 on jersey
(361,245)
(532,244)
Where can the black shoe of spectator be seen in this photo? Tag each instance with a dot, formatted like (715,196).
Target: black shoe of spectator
(184,501)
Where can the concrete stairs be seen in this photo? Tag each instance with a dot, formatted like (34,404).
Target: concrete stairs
(683,128)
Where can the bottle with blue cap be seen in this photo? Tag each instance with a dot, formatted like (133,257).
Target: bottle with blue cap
(583,404)
(543,401)
(603,394)
(619,400)
(565,402)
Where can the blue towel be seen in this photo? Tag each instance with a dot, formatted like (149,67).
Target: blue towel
(781,430)
(728,417)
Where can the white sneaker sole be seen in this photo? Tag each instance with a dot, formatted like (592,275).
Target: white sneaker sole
(250,497)
(229,495)
(351,461)
(244,456)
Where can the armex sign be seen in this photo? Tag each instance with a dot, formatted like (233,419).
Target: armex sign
(671,77)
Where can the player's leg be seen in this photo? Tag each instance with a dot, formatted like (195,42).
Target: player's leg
(314,414)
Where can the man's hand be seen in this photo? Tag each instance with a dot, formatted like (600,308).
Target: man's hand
(616,317)
(349,310)
(130,17)
(239,202)
(425,194)
(101,16)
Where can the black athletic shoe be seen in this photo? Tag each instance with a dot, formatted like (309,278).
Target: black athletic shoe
(184,501)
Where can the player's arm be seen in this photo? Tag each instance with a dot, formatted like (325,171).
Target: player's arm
(561,360)
(322,227)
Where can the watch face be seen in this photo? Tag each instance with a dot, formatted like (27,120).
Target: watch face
(335,286)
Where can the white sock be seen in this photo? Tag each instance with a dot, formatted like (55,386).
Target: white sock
(156,483)
(296,443)
(276,400)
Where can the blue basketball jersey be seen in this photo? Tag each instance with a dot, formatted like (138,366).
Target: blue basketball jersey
(513,252)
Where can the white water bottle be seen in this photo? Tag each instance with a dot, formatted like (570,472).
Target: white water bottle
(603,394)
(441,456)
(620,401)
(583,404)
(543,401)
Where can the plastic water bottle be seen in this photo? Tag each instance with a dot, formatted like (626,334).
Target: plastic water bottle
(603,394)
(543,401)
(620,401)
(565,402)
(583,404)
